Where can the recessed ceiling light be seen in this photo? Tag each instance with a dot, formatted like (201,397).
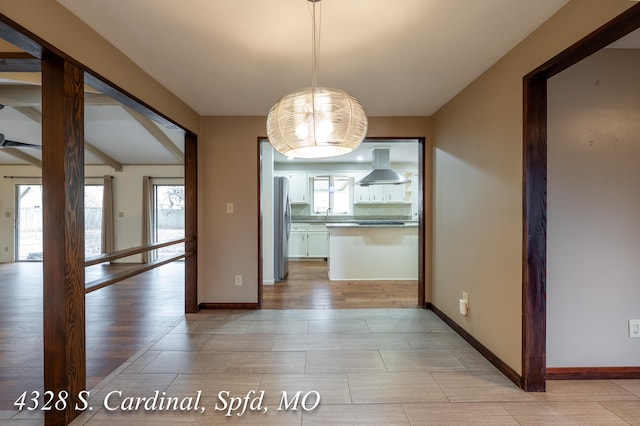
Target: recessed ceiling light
(360,158)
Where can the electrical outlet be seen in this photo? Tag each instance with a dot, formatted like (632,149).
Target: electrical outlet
(238,280)
(464,304)
(634,328)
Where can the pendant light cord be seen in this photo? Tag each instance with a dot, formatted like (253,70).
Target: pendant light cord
(315,62)
(315,39)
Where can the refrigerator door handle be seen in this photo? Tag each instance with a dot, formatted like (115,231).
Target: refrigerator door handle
(287,217)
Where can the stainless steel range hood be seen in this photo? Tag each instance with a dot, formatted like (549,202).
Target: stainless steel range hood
(382,173)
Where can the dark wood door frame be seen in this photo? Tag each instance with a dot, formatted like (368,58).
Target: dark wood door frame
(424,198)
(63,81)
(534,256)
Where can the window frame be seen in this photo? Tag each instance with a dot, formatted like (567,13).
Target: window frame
(331,194)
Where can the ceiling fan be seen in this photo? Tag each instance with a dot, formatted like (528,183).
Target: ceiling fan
(6,143)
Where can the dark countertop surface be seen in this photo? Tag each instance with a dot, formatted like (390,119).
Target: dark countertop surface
(350,219)
(373,224)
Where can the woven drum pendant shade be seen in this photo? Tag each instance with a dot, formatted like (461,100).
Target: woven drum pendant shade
(316,122)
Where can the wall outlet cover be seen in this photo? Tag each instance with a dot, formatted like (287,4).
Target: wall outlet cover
(634,328)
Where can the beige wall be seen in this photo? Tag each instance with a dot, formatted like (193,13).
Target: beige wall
(478,184)
(228,173)
(52,22)
(478,194)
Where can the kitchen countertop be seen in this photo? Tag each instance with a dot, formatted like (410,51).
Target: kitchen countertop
(373,251)
(373,224)
(350,219)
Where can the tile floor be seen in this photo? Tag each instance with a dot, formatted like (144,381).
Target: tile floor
(369,366)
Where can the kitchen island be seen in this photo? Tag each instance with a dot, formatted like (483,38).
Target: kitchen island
(373,251)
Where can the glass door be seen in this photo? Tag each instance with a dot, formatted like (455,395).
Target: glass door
(29,222)
(93,219)
(169,217)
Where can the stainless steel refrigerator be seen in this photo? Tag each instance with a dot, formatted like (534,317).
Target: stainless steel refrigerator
(282,227)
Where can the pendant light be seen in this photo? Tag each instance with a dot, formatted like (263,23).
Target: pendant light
(316,122)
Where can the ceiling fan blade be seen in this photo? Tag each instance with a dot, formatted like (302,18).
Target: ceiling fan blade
(6,143)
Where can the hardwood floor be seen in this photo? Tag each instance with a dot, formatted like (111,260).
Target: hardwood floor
(308,287)
(122,319)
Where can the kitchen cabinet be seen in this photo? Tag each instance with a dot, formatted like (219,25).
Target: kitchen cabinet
(394,193)
(298,240)
(308,241)
(299,188)
(297,244)
(361,194)
(317,241)
(378,194)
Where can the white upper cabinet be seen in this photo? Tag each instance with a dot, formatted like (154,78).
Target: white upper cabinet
(378,194)
(298,188)
(395,193)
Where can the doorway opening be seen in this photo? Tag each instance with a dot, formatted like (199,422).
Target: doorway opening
(534,260)
(324,193)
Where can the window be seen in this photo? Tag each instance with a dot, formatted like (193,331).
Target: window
(332,195)
(93,219)
(29,221)
(169,212)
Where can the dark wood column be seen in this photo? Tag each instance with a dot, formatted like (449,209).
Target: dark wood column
(534,236)
(191,223)
(63,233)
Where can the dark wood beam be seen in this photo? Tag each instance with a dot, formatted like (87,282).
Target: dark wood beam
(63,233)
(20,37)
(191,222)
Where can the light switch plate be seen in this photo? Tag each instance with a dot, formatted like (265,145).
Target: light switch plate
(634,328)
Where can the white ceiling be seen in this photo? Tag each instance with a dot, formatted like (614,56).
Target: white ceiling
(401,151)
(238,57)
